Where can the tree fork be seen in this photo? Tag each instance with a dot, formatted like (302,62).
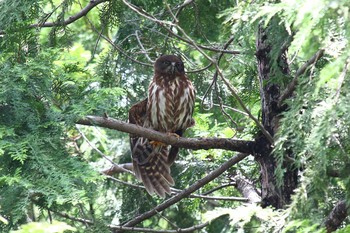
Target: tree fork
(271,193)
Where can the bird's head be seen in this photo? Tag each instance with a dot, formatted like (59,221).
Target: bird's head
(169,65)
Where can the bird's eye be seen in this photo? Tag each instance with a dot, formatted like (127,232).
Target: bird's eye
(166,63)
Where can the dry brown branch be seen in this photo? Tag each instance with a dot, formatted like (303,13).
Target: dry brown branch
(186,192)
(119,168)
(189,143)
(292,85)
(247,189)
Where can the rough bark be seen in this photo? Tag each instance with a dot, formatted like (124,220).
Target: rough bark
(242,146)
(271,194)
(247,189)
(337,216)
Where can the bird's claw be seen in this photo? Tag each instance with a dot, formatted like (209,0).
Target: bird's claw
(157,144)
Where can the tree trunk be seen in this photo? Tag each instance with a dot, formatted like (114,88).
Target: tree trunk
(271,193)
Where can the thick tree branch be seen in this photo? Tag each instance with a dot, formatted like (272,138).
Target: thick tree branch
(189,143)
(200,183)
(292,85)
(337,216)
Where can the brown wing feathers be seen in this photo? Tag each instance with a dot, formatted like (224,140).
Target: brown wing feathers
(150,164)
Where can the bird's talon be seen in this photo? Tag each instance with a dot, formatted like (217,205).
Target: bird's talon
(174,135)
(157,144)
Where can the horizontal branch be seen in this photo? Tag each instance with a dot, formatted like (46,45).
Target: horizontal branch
(186,192)
(189,143)
(292,85)
(188,229)
(137,229)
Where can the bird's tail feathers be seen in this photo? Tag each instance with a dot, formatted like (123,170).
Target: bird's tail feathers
(154,171)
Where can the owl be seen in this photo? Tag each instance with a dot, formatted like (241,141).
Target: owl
(168,108)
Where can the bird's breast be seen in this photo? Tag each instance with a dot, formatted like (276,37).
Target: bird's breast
(171,105)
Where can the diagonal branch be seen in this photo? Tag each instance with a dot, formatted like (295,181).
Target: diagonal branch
(292,85)
(186,192)
(189,143)
(164,24)
(337,216)
(71,19)
(175,191)
(247,189)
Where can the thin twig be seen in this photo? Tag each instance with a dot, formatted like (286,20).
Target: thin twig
(216,73)
(142,47)
(218,188)
(100,152)
(122,52)
(292,85)
(164,23)
(71,19)
(341,79)
(186,192)
(137,229)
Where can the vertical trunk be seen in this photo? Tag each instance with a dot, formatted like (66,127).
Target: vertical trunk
(270,92)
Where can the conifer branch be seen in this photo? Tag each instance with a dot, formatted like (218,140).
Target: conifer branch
(186,192)
(242,146)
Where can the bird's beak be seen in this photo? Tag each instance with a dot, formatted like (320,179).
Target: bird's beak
(173,67)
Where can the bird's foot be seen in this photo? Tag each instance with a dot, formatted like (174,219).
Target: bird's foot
(157,144)
(173,134)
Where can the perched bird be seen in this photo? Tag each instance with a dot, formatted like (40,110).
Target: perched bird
(168,109)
